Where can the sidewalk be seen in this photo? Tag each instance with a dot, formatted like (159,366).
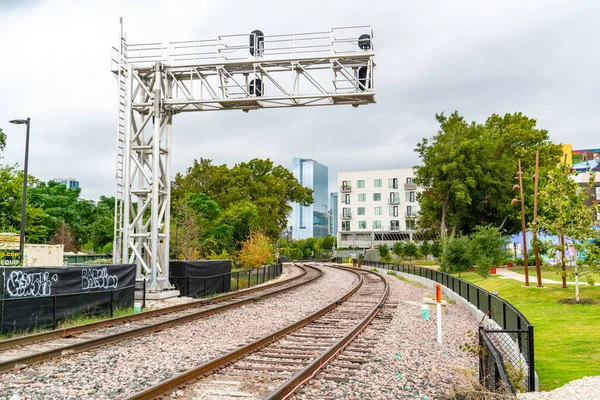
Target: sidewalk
(506,273)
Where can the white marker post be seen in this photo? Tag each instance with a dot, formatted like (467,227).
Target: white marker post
(438,300)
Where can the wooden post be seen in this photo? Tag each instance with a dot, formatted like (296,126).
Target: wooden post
(523,227)
(536,247)
(562,260)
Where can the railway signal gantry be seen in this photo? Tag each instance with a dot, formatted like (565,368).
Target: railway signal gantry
(232,72)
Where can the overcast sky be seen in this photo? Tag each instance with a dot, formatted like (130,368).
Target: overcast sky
(478,57)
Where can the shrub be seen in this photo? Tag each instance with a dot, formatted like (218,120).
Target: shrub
(256,251)
(384,253)
(456,254)
(487,249)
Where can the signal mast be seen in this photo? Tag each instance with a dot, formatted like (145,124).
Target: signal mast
(244,72)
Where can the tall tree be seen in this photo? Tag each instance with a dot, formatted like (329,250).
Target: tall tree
(268,187)
(465,166)
(11,190)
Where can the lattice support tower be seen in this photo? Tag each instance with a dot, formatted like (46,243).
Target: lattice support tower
(232,72)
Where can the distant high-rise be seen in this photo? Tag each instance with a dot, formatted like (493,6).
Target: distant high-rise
(71,183)
(333,213)
(310,221)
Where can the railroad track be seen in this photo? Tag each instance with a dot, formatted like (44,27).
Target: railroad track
(275,366)
(27,350)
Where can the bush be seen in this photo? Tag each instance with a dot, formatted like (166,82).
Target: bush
(256,251)
(456,254)
(518,262)
(487,249)
(384,253)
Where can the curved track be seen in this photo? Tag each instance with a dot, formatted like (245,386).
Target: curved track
(27,350)
(275,366)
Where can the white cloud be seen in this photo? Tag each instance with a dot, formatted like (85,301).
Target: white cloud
(539,57)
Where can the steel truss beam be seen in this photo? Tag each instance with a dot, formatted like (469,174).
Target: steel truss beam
(158,81)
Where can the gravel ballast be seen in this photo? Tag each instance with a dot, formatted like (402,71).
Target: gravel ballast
(587,388)
(122,369)
(407,361)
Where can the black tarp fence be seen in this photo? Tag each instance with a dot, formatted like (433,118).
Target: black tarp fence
(209,277)
(40,297)
(200,278)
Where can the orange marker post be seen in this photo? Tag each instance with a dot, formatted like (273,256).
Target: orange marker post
(438,300)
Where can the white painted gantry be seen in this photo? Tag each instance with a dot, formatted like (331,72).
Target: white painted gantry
(232,72)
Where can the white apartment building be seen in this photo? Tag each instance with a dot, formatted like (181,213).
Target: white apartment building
(376,207)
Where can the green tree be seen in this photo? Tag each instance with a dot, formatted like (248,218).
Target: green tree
(436,248)
(456,254)
(411,250)
(61,205)
(384,253)
(269,188)
(11,190)
(425,249)
(487,249)
(564,211)
(398,249)
(464,168)
(327,243)
(101,230)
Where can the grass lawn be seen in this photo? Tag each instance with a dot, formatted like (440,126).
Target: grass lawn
(554,273)
(567,337)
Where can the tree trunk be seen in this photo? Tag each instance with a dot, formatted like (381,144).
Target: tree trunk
(443,231)
(443,221)
(576,282)
(562,260)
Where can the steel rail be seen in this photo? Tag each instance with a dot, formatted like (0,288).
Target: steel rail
(68,332)
(288,388)
(209,367)
(25,361)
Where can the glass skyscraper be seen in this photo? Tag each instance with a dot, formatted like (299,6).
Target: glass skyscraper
(311,221)
(333,213)
(71,183)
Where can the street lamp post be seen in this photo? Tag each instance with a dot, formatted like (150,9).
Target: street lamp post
(24,197)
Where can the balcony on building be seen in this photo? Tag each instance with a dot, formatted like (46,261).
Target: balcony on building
(346,216)
(409,215)
(394,228)
(346,188)
(394,200)
(410,186)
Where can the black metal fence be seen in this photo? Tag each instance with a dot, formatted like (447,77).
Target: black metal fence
(508,350)
(223,283)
